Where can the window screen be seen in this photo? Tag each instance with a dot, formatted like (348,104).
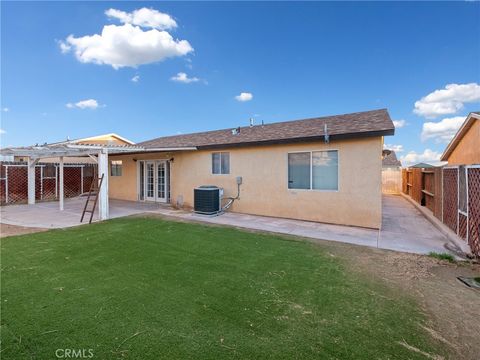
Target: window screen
(299,170)
(325,170)
(116,168)
(316,170)
(221,163)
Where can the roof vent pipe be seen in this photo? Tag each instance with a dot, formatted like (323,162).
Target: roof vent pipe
(327,137)
(251,122)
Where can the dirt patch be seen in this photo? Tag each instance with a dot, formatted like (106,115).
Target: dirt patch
(12,230)
(452,309)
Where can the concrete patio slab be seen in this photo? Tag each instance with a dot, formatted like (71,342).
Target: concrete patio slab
(48,215)
(404,228)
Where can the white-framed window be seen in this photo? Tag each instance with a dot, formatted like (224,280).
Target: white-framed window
(313,170)
(116,168)
(220,163)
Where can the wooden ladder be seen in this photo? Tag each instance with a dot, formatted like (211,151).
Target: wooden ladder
(94,190)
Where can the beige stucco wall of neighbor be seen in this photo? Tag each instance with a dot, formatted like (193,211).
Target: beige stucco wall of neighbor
(264,190)
(103,140)
(467,151)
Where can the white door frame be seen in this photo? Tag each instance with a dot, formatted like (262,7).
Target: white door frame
(147,183)
(156,165)
(159,164)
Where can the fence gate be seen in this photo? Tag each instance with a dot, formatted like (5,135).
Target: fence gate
(391,181)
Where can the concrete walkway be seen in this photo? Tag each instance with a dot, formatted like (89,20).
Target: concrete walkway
(404,227)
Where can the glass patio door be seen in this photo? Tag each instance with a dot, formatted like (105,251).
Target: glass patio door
(154,180)
(161,181)
(150,180)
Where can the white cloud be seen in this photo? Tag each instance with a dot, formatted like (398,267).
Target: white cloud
(2,131)
(244,96)
(136,78)
(447,101)
(5,109)
(399,123)
(396,148)
(144,17)
(64,47)
(84,104)
(442,131)
(428,156)
(129,44)
(183,78)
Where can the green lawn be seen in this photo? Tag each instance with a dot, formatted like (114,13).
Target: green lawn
(144,288)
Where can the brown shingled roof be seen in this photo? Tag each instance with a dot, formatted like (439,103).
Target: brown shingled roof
(389,158)
(354,125)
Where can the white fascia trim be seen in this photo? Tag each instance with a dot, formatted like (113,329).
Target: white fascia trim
(172,149)
(460,133)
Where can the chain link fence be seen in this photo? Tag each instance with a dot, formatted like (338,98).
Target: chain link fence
(77,179)
(456,194)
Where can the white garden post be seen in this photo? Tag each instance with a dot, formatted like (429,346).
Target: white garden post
(31,181)
(60,183)
(103,194)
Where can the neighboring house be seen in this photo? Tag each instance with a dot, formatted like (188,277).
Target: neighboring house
(422,166)
(7,158)
(325,169)
(464,148)
(389,159)
(106,139)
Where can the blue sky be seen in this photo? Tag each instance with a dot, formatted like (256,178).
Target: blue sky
(296,60)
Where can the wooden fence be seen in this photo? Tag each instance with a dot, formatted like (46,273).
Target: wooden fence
(452,194)
(391,181)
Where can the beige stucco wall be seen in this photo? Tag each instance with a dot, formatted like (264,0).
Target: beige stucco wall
(264,190)
(467,151)
(125,187)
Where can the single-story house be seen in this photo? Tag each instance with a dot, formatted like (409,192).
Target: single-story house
(325,169)
(390,160)
(422,165)
(464,148)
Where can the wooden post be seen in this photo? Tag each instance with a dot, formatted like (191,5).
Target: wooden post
(31,181)
(103,192)
(60,187)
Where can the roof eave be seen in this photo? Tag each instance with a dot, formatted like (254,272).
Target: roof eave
(332,137)
(467,124)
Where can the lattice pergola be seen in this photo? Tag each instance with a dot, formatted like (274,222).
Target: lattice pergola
(99,153)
